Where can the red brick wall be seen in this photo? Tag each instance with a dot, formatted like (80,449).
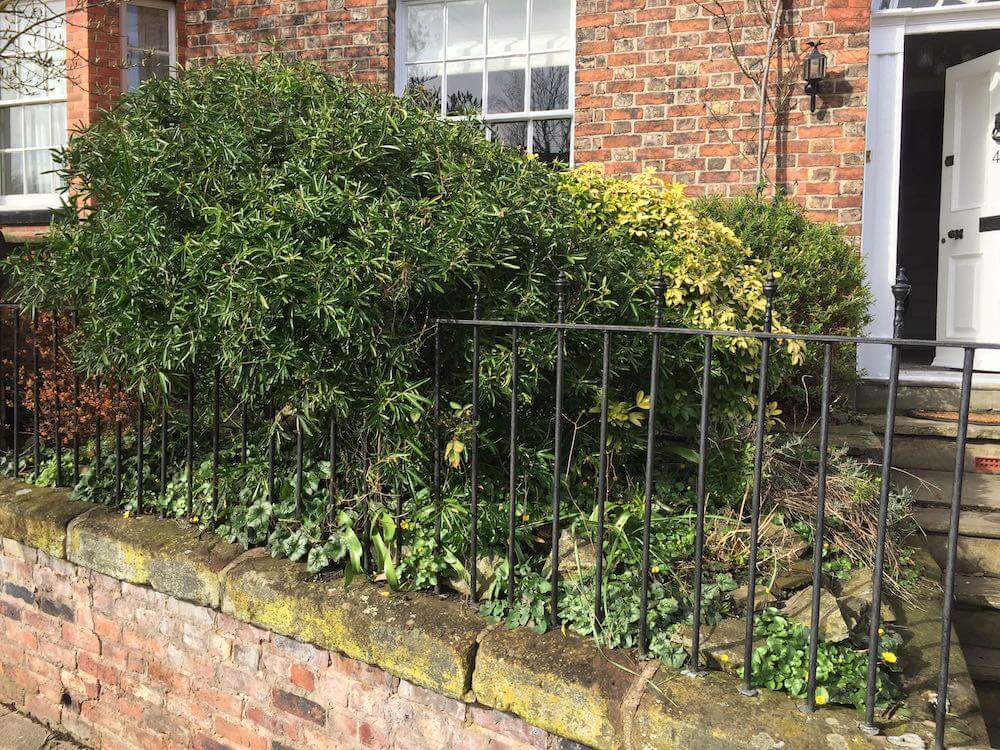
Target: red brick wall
(658,87)
(347,36)
(126,668)
(93,63)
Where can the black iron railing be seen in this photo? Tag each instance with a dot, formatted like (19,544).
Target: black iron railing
(14,388)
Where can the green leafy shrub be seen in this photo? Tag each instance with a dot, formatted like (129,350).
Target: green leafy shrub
(300,231)
(821,285)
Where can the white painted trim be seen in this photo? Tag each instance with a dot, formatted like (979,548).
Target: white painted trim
(880,200)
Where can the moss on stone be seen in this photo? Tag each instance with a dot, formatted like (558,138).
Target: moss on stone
(37,516)
(563,684)
(170,556)
(418,637)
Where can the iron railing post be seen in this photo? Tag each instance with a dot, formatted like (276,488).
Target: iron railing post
(770,290)
(900,291)
(561,284)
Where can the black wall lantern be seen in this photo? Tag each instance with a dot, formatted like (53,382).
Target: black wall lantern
(813,71)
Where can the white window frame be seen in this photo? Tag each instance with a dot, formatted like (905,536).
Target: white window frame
(30,201)
(171,9)
(530,116)
(897,7)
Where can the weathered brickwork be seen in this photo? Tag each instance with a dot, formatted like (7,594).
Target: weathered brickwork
(352,37)
(124,667)
(658,87)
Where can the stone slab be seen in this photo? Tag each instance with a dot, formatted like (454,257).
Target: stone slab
(172,557)
(563,684)
(37,516)
(418,637)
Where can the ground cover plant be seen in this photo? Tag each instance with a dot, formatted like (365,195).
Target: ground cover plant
(300,234)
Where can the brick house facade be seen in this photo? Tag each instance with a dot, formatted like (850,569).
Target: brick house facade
(666,85)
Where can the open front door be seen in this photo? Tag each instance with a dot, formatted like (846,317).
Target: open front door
(968,306)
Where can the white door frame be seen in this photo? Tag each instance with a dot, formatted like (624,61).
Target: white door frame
(880,201)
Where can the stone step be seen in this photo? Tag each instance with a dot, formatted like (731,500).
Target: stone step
(871,396)
(983,663)
(972,523)
(933,488)
(906,425)
(977,591)
(975,554)
(977,627)
(910,451)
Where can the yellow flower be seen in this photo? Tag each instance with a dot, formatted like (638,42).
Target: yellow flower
(404,524)
(525,518)
(383,593)
(723,657)
(655,569)
(195,519)
(881,631)
(820,700)
(127,514)
(888,657)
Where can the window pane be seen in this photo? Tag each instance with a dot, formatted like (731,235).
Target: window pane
(10,127)
(464,88)
(12,173)
(424,82)
(147,28)
(424,32)
(507,26)
(144,65)
(465,28)
(37,165)
(37,122)
(550,81)
(58,112)
(551,140)
(550,25)
(506,85)
(511,133)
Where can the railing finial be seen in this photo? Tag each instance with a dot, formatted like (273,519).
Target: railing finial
(562,282)
(900,291)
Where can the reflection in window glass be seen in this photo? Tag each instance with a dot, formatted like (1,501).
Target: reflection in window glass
(424,32)
(550,81)
(464,87)
(552,140)
(551,23)
(513,134)
(506,85)
(506,62)
(465,29)
(423,81)
(508,25)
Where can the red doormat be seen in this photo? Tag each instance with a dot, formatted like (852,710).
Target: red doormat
(984,417)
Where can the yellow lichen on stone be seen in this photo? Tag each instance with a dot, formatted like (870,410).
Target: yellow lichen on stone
(418,638)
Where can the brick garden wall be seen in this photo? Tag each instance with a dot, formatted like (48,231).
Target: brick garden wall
(125,667)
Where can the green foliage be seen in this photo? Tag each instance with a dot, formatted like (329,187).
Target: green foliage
(841,670)
(821,284)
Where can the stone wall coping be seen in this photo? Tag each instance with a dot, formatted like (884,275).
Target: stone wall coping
(560,683)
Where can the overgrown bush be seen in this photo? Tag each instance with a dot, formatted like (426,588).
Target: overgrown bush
(299,231)
(822,286)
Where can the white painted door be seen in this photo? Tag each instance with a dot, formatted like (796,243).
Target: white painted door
(968,307)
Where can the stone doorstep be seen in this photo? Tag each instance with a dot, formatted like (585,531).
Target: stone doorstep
(563,684)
